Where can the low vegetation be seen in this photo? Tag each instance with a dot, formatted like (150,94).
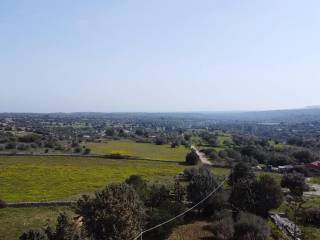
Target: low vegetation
(140,150)
(15,221)
(150,153)
(50,178)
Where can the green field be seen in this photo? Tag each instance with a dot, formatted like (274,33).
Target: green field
(141,150)
(50,178)
(224,138)
(13,222)
(315,180)
(279,146)
(220,172)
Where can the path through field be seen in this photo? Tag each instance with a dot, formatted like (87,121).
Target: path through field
(202,156)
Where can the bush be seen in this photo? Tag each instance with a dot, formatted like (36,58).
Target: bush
(87,151)
(158,195)
(22,147)
(258,197)
(174,145)
(139,185)
(10,145)
(192,158)
(216,203)
(160,141)
(268,195)
(278,159)
(304,156)
(190,172)
(249,226)
(33,235)
(160,215)
(241,172)
(311,216)
(210,153)
(295,182)
(202,183)
(77,150)
(114,213)
(179,191)
(3,204)
(29,138)
(65,229)
(223,229)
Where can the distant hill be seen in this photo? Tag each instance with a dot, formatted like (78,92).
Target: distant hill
(307,114)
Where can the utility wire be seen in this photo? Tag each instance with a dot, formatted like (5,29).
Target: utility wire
(183,213)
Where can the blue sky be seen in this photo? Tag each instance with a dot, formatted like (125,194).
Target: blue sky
(165,55)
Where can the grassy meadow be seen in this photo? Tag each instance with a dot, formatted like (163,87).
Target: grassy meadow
(140,150)
(223,141)
(15,221)
(50,178)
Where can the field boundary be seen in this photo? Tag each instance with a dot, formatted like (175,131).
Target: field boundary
(41,204)
(111,157)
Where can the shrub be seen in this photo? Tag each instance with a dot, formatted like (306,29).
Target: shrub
(267,195)
(258,197)
(156,216)
(218,202)
(29,138)
(65,229)
(33,235)
(3,204)
(174,145)
(278,159)
(311,216)
(304,156)
(114,213)
(159,195)
(179,191)
(22,146)
(223,229)
(10,145)
(160,141)
(192,158)
(77,150)
(202,183)
(139,185)
(190,172)
(295,182)
(241,172)
(249,226)
(210,153)
(87,151)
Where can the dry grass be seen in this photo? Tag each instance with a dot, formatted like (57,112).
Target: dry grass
(194,231)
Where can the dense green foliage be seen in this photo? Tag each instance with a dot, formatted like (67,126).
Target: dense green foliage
(114,213)
(295,182)
(192,158)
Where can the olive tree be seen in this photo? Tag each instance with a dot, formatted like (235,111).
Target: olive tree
(114,213)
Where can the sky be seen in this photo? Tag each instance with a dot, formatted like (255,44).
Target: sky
(158,56)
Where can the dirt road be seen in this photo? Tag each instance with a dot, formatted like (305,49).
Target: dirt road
(202,156)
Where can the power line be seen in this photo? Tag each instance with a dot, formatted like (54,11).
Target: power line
(183,213)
